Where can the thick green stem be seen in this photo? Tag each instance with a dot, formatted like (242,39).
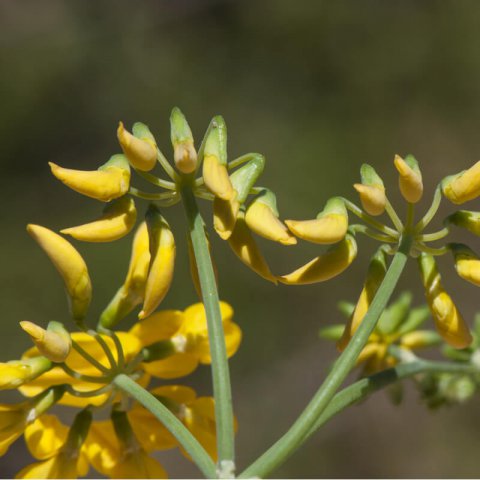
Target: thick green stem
(199,456)
(361,389)
(298,432)
(220,372)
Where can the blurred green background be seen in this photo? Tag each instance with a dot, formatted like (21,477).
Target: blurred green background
(319,87)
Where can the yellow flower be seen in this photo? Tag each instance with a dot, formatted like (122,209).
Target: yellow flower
(110,181)
(117,221)
(132,292)
(225,214)
(140,148)
(464,186)
(373,198)
(162,250)
(17,372)
(75,361)
(59,448)
(69,264)
(117,458)
(330,226)
(184,337)
(54,343)
(324,267)
(410,179)
(467,263)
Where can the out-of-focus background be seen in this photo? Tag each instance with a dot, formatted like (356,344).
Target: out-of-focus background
(319,87)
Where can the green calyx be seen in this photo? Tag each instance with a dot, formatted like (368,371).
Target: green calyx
(369,176)
(216,141)
(245,177)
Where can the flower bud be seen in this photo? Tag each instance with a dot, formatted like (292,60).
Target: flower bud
(371,191)
(330,226)
(467,263)
(244,246)
(140,148)
(375,275)
(448,320)
(54,343)
(132,292)
(324,267)
(162,251)
(463,186)
(69,264)
(215,173)
(184,153)
(410,179)
(262,218)
(465,219)
(17,372)
(117,221)
(420,339)
(111,180)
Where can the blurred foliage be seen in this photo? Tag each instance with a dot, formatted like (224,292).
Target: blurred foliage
(318,87)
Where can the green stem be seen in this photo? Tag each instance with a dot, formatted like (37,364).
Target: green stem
(361,389)
(393,216)
(158,182)
(199,456)
(151,196)
(432,237)
(368,219)
(295,436)
(162,160)
(89,358)
(427,218)
(220,372)
(373,234)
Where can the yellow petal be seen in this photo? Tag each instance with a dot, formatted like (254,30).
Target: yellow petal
(468,267)
(141,152)
(195,318)
(116,222)
(373,198)
(159,326)
(410,181)
(59,466)
(261,219)
(162,250)
(69,264)
(15,373)
(325,230)
(138,465)
(463,187)
(45,436)
(225,215)
(13,420)
(244,246)
(216,178)
(105,185)
(177,393)
(337,259)
(175,366)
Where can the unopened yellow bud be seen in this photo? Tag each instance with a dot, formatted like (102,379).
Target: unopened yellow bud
(330,226)
(109,182)
(465,219)
(17,372)
(184,153)
(54,343)
(162,251)
(373,198)
(324,267)
(244,246)
(375,275)
(140,149)
(132,292)
(467,263)
(225,215)
(410,180)
(69,264)
(117,221)
(262,218)
(464,186)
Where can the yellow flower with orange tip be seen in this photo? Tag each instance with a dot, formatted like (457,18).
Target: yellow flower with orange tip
(117,221)
(59,448)
(463,186)
(181,339)
(69,264)
(110,181)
